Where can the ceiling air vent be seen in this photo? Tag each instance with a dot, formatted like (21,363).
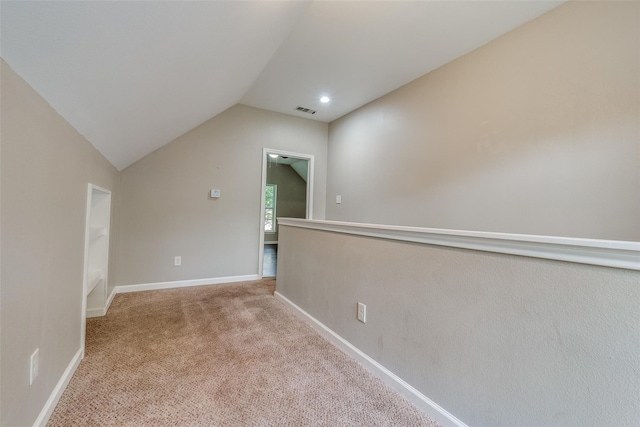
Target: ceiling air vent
(305,110)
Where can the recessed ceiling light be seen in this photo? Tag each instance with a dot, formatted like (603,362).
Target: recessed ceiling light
(324,99)
(273,156)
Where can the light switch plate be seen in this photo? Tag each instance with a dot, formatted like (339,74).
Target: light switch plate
(362,312)
(34,368)
(215,193)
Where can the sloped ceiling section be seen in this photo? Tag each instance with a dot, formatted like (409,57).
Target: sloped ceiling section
(357,51)
(132,76)
(302,168)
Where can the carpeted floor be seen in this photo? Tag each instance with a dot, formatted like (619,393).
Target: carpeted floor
(221,355)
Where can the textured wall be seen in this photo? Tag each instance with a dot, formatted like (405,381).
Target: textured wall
(536,132)
(166,210)
(46,166)
(494,339)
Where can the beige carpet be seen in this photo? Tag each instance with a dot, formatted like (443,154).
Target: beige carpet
(221,355)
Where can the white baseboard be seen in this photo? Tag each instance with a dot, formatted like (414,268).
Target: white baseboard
(48,408)
(110,300)
(184,283)
(95,312)
(428,406)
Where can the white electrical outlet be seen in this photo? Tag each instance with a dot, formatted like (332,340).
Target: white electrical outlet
(177,261)
(338,199)
(33,366)
(362,312)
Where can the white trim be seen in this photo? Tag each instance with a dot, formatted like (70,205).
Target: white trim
(184,283)
(97,187)
(607,253)
(95,312)
(55,395)
(89,234)
(85,271)
(110,300)
(428,406)
(310,172)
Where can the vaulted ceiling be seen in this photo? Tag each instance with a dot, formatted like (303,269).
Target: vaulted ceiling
(133,76)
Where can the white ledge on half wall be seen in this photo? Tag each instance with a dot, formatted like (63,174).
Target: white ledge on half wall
(607,253)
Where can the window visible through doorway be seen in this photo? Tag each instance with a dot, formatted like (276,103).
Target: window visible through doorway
(270,196)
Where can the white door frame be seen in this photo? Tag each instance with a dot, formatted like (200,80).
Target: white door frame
(265,152)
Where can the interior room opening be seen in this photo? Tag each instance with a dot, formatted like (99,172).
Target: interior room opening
(285,193)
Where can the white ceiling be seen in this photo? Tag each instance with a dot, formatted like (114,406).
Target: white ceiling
(133,76)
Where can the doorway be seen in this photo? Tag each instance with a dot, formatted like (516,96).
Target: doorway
(287,191)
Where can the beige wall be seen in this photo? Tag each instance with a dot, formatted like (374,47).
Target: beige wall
(292,194)
(166,210)
(46,166)
(536,132)
(496,340)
